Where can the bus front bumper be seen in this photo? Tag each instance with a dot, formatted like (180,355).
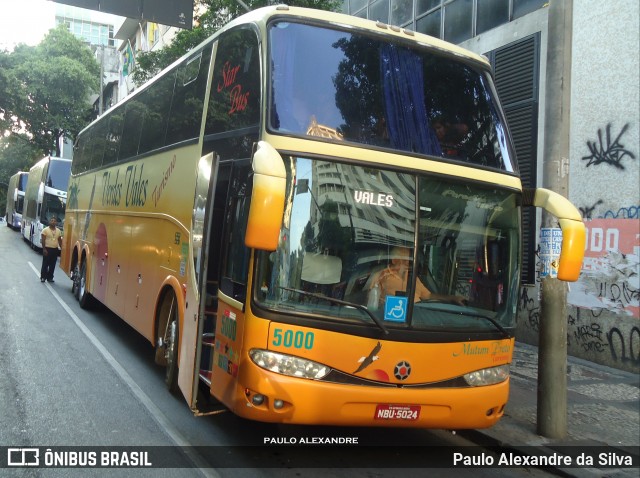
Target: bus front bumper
(278,398)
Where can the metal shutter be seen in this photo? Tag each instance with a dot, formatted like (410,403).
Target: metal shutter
(516,73)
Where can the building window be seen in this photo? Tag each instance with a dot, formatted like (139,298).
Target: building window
(90,32)
(453,20)
(423,6)
(490,14)
(379,11)
(458,21)
(356,5)
(401,12)
(430,24)
(522,7)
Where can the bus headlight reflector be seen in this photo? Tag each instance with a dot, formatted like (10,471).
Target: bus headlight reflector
(288,364)
(487,376)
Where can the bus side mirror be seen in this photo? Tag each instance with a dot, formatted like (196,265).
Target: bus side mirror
(572,253)
(15,194)
(267,199)
(573,230)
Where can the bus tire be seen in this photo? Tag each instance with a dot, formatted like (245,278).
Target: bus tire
(84,298)
(75,283)
(167,339)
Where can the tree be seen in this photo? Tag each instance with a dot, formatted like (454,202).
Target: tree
(48,89)
(217,13)
(17,153)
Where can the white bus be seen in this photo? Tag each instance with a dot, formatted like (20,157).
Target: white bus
(45,197)
(15,199)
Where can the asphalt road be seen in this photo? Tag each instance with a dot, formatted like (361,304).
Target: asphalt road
(74,378)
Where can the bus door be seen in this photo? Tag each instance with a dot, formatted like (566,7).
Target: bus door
(231,273)
(193,330)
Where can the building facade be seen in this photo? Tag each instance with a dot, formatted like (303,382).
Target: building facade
(96,29)
(603,167)
(137,36)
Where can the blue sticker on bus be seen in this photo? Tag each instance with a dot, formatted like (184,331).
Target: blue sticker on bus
(395,308)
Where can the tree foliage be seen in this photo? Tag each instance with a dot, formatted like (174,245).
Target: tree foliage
(217,13)
(45,90)
(17,153)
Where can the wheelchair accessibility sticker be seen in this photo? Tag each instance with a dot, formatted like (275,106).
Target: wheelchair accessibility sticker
(395,308)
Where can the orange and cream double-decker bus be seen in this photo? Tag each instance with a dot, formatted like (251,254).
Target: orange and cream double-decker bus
(316,219)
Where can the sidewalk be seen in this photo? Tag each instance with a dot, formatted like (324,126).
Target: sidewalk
(603,410)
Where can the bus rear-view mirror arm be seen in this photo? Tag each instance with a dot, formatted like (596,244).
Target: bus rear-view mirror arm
(573,229)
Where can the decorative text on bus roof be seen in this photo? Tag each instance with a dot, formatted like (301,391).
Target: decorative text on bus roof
(135,191)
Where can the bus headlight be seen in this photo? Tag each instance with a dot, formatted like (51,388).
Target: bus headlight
(288,364)
(487,376)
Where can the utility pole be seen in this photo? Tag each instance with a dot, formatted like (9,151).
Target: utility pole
(101,100)
(552,357)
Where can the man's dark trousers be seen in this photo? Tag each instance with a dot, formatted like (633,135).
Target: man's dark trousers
(49,263)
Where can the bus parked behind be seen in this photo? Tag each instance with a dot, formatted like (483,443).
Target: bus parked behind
(45,197)
(15,199)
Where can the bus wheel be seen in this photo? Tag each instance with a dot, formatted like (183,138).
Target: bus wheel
(83,296)
(167,341)
(75,281)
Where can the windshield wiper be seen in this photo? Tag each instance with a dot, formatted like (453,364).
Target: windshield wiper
(341,302)
(495,323)
(507,335)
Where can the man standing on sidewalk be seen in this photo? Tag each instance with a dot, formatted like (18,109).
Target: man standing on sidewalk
(51,240)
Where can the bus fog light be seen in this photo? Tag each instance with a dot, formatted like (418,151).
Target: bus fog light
(288,364)
(278,404)
(257,399)
(487,376)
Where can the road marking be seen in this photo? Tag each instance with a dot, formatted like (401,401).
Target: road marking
(162,420)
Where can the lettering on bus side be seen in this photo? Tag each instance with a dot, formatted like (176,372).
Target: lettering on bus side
(112,191)
(136,187)
(238,98)
(157,191)
(498,350)
(135,192)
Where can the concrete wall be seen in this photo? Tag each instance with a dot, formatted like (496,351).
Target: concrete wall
(604,181)
(604,176)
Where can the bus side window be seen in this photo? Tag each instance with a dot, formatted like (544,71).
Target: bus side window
(131,129)
(188,97)
(235,255)
(157,102)
(234,101)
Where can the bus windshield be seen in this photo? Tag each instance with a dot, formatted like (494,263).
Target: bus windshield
(53,207)
(22,182)
(346,86)
(58,175)
(346,227)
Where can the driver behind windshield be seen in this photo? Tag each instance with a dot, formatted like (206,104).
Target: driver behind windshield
(394,279)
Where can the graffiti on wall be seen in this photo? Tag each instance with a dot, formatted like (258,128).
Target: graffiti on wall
(608,151)
(609,278)
(630,212)
(587,211)
(587,333)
